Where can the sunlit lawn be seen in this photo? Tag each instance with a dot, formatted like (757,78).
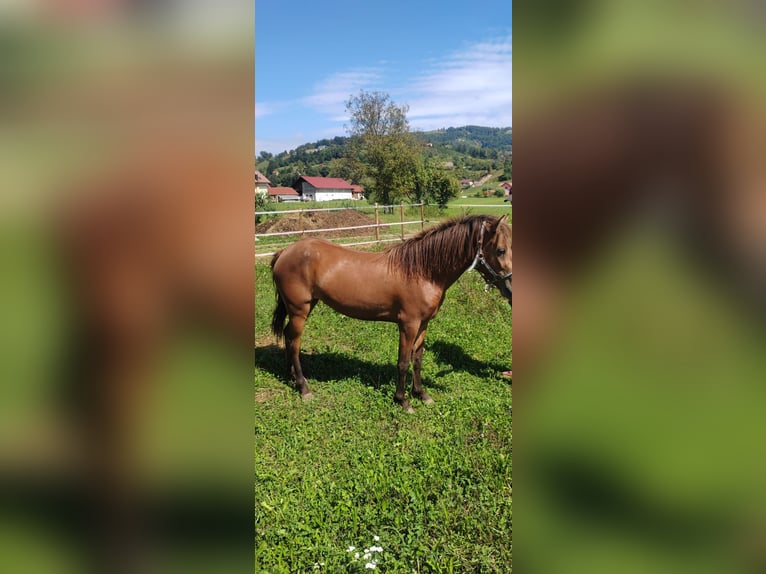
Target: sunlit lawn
(435,487)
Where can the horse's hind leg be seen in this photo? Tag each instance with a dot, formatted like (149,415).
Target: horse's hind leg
(293,332)
(417,362)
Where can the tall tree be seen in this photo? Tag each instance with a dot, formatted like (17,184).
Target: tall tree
(382,142)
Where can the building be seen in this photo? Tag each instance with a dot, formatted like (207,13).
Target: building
(357,192)
(283,194)
(508,187)
(262,183)
(324,188)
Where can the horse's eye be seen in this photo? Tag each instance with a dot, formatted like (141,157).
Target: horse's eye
(501,252)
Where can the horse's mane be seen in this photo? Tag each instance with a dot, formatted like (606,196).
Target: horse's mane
(432,250)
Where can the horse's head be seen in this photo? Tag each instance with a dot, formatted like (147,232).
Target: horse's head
(497,265)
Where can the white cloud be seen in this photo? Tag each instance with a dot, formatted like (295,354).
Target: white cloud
(473,86)
(330,95)
(278,145)
(262,110)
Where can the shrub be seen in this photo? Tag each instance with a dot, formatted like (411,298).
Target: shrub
(262,203)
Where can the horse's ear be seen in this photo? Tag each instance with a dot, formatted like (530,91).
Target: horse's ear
(500,220)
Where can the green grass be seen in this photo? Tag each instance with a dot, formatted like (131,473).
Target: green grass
(366,205)
(470,200)
(467,205)
(435,487)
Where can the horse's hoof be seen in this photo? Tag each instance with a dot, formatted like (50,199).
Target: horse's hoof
(408,409)
(307,396)
(428,401)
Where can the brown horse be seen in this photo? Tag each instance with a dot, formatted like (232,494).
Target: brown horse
(405,284)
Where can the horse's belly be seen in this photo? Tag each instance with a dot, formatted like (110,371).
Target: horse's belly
(362,309)
(363,291)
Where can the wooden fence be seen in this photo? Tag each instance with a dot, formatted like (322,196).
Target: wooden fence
(374,229)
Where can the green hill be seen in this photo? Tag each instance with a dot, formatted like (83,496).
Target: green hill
(471,151)
(470,138)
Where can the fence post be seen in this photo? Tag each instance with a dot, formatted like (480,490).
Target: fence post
(422,216)
(300,221)
(377,224)
(401,218)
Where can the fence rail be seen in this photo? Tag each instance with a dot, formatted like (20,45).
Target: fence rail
(377,226)
(370,226)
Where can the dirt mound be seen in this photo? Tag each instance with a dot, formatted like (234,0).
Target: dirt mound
(320,220)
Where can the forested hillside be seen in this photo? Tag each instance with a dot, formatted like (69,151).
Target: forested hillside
(473,137)
(470,152)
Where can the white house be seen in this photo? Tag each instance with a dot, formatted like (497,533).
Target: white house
(324,188)
(261,183)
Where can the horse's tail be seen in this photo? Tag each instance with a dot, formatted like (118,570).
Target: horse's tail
(280,311)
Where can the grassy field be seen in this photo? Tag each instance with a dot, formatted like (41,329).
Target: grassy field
(433,490)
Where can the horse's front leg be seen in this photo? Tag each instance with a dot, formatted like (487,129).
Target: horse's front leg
(417,362)
(407,335)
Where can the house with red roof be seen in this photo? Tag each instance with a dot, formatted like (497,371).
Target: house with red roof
(283,194)
(262,183)
(324,188)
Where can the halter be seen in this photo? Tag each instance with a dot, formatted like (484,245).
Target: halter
(496,277)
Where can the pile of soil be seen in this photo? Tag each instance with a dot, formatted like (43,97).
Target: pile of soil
(320,220)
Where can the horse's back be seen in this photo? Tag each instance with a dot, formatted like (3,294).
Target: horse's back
(298,266)
(314,254)
(296,258)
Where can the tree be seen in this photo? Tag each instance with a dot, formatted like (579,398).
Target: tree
(374,115)
(507,169)
(382,143)
(444,188)
(348,168)
(424,177)
(434,184)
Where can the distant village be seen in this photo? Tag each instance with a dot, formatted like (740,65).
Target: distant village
(308,188)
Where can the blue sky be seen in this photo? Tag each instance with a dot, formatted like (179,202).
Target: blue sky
(451,63)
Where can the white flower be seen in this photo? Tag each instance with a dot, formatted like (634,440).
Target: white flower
(351,548)
(376,538)
(370,565)
(356,555)
(367,556)
(376,549)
